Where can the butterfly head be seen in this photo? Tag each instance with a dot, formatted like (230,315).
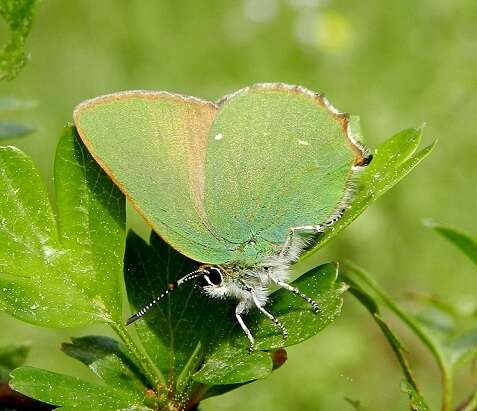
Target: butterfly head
(214,281)
(212,277)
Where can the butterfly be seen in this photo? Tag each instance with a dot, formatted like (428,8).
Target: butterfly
(241,186)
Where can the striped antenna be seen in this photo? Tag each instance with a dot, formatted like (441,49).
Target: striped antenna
(171,287)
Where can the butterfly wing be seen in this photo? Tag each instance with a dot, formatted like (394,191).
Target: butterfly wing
(153,145)
(278,156)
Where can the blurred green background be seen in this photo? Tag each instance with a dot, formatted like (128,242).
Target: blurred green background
(397,64)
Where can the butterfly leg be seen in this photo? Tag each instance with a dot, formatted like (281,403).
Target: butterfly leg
(239,310)
(308,229)
(314,305)
(270,316)
(294,231)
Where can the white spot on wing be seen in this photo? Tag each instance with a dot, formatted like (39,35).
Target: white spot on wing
(303,143)
(219,137)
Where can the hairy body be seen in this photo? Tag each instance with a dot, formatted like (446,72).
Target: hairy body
(249,286)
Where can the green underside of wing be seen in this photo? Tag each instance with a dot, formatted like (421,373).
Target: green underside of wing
(280,160)
(222,185)
(153,148)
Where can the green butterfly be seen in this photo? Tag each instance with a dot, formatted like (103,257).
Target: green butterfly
(242,185)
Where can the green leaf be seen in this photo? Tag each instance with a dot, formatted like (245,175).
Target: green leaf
(172,332)
(415,397)
(230,363)
(109,360)
(13,130)
(448,351)
(463,241)
(91,219)
(470,404)
(279,357)
(178,332)
(438,320)
(356,405)
(216,390)
(195,339)
(417,402)
(461,348)
(396,345)
(66,276)
(63,390)
(18,14)
(14,104)
(11,357)
(392,161)
(295,313)
(28,237)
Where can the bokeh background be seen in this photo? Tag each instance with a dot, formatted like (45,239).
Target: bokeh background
(397,64)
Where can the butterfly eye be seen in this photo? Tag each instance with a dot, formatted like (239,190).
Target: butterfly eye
(211,277)
(215,276)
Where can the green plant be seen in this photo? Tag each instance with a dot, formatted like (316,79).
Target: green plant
(435,326)
(18,14)
(13,129)
(66,271)
(11,357)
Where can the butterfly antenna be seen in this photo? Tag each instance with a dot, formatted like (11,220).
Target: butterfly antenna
(171,287)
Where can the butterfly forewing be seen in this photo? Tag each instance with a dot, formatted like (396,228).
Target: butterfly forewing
(153,145)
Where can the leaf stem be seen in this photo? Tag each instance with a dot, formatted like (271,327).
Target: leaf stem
(392,339)
(197,396)
(154,376)
(183,379)
(446,371)
(471,404)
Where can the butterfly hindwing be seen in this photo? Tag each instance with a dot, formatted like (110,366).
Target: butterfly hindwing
(278,156)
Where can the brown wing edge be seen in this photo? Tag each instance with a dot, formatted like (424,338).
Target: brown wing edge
(90,103)
(362,155)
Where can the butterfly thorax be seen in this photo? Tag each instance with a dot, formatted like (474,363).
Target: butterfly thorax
(253,253)
(244,282)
